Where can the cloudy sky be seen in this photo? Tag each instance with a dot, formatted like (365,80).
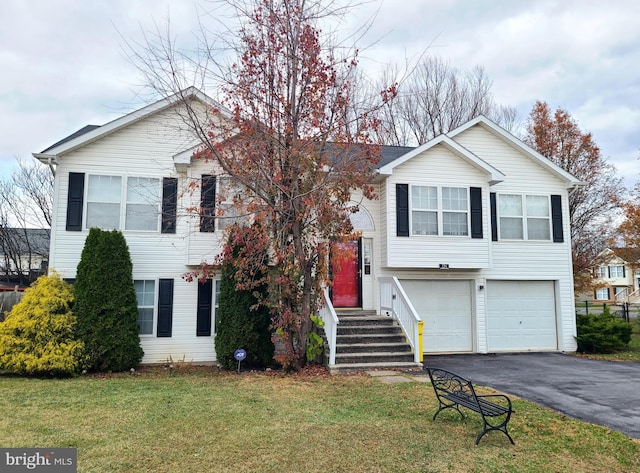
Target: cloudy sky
(63,65)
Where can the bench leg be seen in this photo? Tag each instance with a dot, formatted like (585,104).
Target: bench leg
(444,406)
(488,428)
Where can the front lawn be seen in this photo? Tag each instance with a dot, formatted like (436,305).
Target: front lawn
(266,422)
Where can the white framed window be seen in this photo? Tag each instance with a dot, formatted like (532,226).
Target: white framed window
(538,217)
(143,204)
(601,272)
(616,271)
(141,198)
(524,217)
(424,210)
(439,211)
(455,211)
(145,293)
(602,294)
(104,194)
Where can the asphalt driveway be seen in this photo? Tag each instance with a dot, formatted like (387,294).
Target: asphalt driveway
(601,392)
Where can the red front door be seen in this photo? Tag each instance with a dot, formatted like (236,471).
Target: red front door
(346,275)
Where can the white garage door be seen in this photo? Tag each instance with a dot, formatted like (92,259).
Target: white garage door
(445,308)
(521,316)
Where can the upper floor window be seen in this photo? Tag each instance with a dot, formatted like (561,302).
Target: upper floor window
(601,272)
(141,197)
(439,211)
(616,271)
(524,217)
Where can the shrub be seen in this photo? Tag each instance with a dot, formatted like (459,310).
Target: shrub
(37,337)
(242,322)
(603,333)
(106,304)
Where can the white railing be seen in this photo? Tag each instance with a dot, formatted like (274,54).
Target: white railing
(622,296)
(625,296)
(394,301)
(328,315)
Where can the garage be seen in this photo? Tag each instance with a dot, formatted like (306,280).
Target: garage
(445,308)
(521,316)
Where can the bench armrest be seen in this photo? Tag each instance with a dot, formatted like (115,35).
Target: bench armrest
(484,396)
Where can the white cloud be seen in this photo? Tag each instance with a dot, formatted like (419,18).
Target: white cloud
(64,67)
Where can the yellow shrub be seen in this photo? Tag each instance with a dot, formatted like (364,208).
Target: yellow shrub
(37,338)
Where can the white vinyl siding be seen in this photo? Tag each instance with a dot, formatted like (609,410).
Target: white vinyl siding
(145,149)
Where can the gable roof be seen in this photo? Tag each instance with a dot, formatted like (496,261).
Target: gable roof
(495,175)
(92,133)
(514,142)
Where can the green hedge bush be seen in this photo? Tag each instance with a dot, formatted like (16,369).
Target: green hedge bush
(603,333)
(241,322)
(106,305)
(37,338)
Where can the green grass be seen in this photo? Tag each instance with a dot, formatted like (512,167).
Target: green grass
(209,421)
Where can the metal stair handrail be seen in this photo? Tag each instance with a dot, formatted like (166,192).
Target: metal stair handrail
(395,302)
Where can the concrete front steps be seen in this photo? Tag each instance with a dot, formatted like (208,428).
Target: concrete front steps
(366,341)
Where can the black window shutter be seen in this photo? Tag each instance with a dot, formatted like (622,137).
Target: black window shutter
(608,293)
(169,204)
(475,200)
(203,319)
(165,307)
(208,203)
(402,210)
(494,216)
(75,198)
(556,218)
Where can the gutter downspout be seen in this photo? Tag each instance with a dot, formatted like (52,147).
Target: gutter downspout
(50,161)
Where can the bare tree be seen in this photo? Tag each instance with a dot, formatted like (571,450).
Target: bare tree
(592,207)
(436,98)
(25,219)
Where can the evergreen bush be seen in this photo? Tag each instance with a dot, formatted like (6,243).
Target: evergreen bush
(105,303)
(37,338)
(603,333)
(242,322)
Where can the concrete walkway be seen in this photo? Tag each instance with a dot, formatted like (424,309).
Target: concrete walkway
(600,392)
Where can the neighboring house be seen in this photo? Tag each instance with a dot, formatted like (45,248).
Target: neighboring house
(24,255)
(617,279)
(474,225)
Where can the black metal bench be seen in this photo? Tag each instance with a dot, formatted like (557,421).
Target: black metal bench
(454,391)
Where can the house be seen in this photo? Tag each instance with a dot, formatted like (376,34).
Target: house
(24,255)
(617,279)
(470,232)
